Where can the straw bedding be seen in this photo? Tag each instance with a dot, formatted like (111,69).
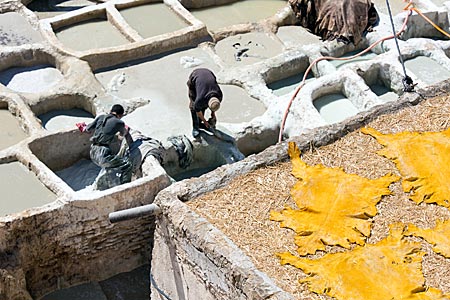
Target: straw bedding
(241,210)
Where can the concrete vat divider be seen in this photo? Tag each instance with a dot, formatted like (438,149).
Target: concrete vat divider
(14,129)
(63,102)
(282,71)
(380,81)
(61,112)
(151,19)
(60,150)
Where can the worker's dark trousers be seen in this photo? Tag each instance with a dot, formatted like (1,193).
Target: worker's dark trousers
(119,167)
(195,120)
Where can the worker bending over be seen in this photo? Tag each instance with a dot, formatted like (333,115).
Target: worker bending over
(204,92)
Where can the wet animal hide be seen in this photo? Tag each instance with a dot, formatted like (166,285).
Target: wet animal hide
(344,20)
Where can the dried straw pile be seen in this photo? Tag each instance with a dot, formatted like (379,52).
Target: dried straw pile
(241,210)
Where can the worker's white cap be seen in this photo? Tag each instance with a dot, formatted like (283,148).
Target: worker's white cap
(214,104)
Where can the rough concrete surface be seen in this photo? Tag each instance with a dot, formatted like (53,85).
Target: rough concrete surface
(70,241)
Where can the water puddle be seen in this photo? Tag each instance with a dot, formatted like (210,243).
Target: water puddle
(238,106)
(152,19)
(92,34)
(335,108)
(383,92)
(15,30)
(21,189)
(287,85)
(18,79)
(79,175)
(11,132)
(50,8)
(246,49)
(294,36)
(133,285)
(220,16)
(58,120)
(365,57)
(427,70)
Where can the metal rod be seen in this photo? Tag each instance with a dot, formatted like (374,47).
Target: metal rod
(135,212)
(408,84)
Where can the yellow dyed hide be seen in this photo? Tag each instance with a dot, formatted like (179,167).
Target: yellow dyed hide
(438,237)
(423,159)
(390,269)
(334,206)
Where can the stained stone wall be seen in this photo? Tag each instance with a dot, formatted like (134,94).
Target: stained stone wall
(74,242)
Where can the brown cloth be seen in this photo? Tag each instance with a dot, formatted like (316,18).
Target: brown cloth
(344,20)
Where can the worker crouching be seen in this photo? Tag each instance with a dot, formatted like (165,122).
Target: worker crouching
(116,169)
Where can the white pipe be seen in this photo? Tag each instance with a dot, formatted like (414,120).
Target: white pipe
(135,212)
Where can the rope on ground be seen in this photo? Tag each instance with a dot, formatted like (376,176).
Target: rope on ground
(153,283)
(302,83)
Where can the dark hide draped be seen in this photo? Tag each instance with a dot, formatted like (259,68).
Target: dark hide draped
(344,20)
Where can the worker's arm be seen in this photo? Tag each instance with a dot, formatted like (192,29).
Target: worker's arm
(91,126)
(191,90)
(129,139)
(212,120)
(202,118)
(124,132)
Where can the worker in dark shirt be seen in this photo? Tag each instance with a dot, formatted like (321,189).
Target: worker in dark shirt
(204,92)
(105,128)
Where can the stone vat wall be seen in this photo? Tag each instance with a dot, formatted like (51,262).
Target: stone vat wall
(74,242)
